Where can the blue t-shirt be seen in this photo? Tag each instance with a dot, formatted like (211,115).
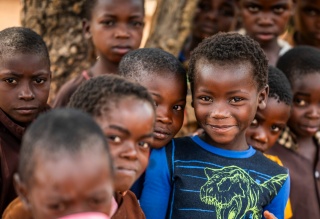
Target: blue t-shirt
(192,179)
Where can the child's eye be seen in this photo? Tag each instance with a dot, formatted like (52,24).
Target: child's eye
(300,102)
(275,128)
(144,144)
(57,207)
(97,201)
(228,12)
(253,8)
(254,123)
(108,23)
(178,107)
(311,11)
(278,10)
(137,23)
(204,7)
(206,99)
(235,99)
(114,138)
(11,81)
(39,80)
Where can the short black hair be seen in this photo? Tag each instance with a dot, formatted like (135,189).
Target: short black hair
(88,6)
(299,61)
(60,130)
(148,62)
(96,95)
(279,86)
(21,40)
(231,48)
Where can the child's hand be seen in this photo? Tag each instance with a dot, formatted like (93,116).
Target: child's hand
(269,215)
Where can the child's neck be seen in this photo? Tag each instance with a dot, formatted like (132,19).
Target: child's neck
(272,50)
(307,148)
(239,145)
(104,67)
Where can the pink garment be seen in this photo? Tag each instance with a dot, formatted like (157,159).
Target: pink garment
(86,215)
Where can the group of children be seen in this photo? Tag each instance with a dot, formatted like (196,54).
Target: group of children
(116,133)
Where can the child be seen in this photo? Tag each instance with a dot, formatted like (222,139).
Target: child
(265,21)
(125,112)
(216,174)
(298,146)
(114,27)
(24,88)
(165,78)
(55,147)
(268,123)
(211,17)
(307,24)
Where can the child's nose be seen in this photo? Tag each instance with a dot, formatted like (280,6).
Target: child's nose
(265,19)
(164,115)
(130,151)
(26,92)
(314,112)
(261,137)
(219,112)
(122,31)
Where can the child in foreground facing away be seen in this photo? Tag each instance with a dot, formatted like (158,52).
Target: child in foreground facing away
(125,112)
(165,78)
(64,168)
(24,89)
(114,27)
(268,123)
(265,21)
(216,174)
(306,23)
(299,145)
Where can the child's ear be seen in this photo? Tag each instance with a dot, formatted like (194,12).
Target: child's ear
(263,97)
(86,28)
(21,190)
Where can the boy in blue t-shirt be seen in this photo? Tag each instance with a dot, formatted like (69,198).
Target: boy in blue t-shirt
(216,174)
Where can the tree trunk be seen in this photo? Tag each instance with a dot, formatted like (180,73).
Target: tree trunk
(59,23)
(171,24)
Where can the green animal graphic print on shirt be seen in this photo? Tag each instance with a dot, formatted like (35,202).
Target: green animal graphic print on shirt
(234,193)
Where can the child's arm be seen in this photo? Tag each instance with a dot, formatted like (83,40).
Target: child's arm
(157,187)
(278,204)
(268,215)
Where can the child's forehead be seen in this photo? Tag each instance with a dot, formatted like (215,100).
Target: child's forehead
(113,4)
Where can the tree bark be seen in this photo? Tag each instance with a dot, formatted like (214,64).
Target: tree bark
(59,23)
(171,24)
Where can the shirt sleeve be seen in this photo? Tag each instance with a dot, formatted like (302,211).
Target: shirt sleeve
(157,186)
(278,204)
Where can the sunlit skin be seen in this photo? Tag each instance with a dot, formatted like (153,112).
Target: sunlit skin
(307,22)
(169,95)
(264,21)
(211,17)
(128,126)
(305,117)
(115,28)
(268,124)
(24,86)
(57,187)
(225,100)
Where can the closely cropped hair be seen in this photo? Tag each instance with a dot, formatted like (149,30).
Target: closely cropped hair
(299,61)
(146,62)
(279,86)
(59,131)
(88,6)
(21,40)
(99,94)
(231,48)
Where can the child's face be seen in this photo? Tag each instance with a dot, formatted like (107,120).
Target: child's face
(116,27)
(225,100)
(305,117)
(265,20)
(268,124)
(24,86)
(169,94)
(308,21)
(128,126)
(213,16)
(65,184)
